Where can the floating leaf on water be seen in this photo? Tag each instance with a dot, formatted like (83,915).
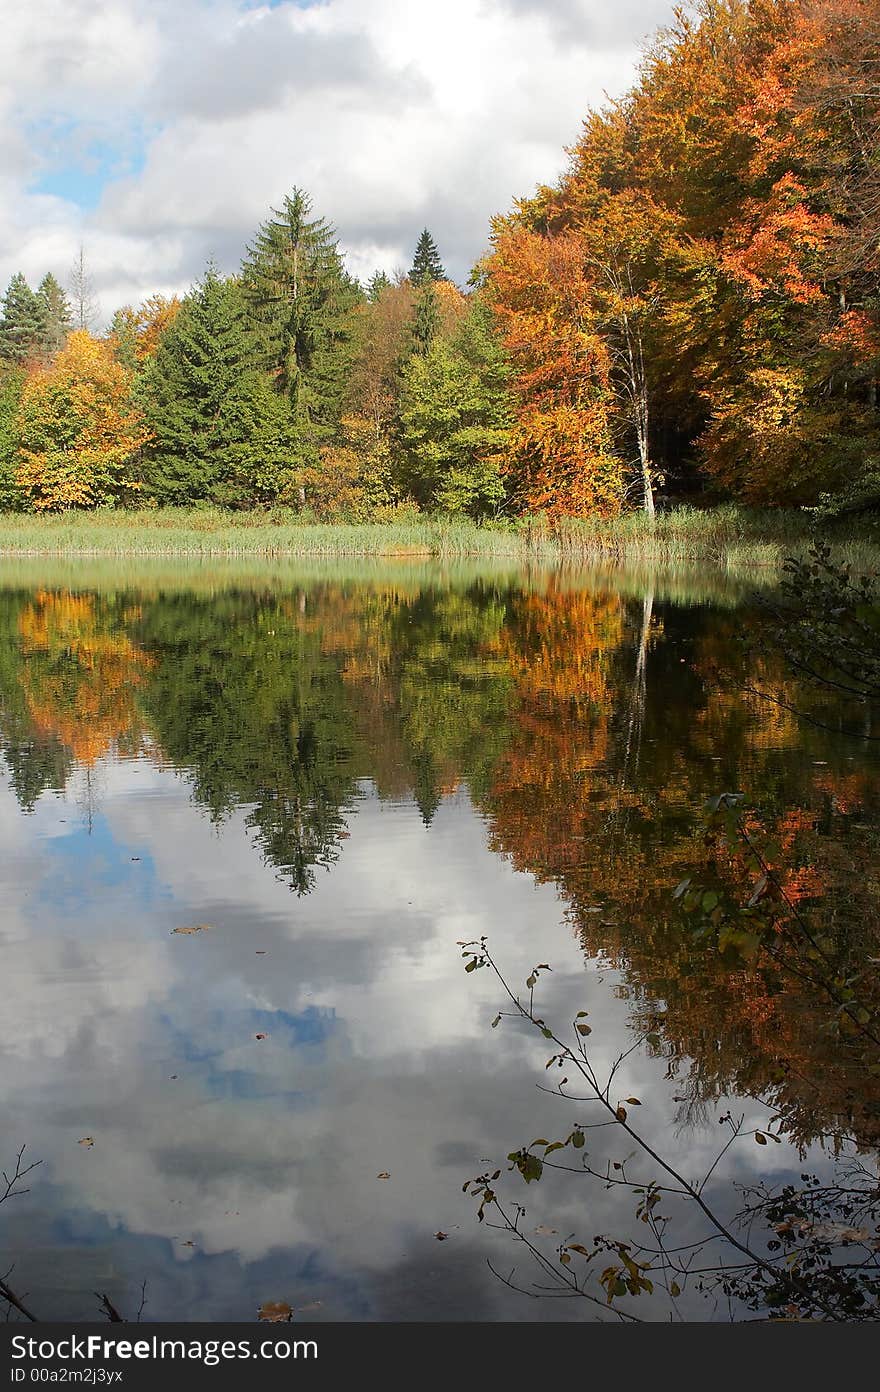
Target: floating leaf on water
(260,1036)
(441,1236)
(760,1138)
(193,928)
(86,1141)
(384,1174)
(275,1312)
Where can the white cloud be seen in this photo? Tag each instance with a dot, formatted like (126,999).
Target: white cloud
(393,115)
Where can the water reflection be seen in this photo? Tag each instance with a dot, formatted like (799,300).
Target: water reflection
(342,776)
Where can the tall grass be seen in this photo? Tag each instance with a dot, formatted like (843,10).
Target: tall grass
(737,540)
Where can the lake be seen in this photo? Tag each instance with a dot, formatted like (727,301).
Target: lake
(249,813)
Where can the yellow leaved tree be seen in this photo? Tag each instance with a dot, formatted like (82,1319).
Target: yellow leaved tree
(78,429)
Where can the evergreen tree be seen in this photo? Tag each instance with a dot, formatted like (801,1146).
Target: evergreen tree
(303,301)
(59,317)
(219,430)
(378,282)
(426,320)
(426,265)
(24,324)
(11,384)
(455,419)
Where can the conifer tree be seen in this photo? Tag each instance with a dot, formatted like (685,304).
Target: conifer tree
(302,300)
(219,430)
(24,322)
(455,419)
(59,318)
(426,320)
(426,265)
(378,282)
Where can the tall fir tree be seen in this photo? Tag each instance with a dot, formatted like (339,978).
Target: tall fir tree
(426,265)
(220,432)
(59,316)
(303,301)
(24,324)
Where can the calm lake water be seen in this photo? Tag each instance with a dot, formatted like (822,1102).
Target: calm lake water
(337,774)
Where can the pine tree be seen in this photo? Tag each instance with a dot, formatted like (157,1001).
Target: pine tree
(24,322)
(59,318)
(426,265)
(219,430)
(303,300)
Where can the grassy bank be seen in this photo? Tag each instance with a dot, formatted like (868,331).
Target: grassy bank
(733,539)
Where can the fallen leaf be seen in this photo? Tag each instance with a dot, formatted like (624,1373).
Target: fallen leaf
(385,1174)
(276,1312)
(193,928)
(86,1141)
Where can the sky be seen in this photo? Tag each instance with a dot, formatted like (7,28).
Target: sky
(158,134)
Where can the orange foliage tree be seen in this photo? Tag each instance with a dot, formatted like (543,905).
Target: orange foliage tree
(78,429)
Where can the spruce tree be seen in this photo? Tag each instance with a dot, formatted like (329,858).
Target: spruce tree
(426,265)
(24,323)
(378,282)
(426,320)
(59,317)
(219,431)
(302,300)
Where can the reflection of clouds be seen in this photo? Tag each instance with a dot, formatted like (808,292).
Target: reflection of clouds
(378,1053)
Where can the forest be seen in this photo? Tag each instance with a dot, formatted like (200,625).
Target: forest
(691,313)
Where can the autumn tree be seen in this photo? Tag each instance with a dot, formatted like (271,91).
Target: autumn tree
(135,333)
(78,430)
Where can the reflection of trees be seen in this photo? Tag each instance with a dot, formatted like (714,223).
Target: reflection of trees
(243,697)
(70,678)
(566,805)
(589,728)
